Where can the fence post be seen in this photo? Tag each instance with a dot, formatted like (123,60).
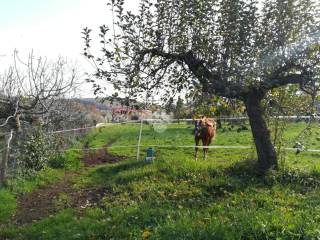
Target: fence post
(139,140)
(5,158)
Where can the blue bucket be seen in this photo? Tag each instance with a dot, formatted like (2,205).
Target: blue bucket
(151,152)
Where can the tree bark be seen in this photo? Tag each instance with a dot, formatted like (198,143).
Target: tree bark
(18,123)
(5,158)
(267,157)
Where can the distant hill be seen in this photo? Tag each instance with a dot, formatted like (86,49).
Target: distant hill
(92,101)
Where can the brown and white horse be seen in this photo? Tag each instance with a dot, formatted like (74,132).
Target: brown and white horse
(205,129)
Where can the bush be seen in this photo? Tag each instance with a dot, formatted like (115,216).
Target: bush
(38,149)
(34,152)
(57,161)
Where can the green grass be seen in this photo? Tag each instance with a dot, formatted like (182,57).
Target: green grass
(16,186)
(43,178)
(22,186)
(7,204)
(181,135)
(187,200)
(176,197)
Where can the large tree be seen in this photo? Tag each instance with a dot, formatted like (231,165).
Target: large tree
(239,49)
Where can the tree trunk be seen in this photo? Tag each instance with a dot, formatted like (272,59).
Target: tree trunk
(267,157)
(5,158)
(18,123)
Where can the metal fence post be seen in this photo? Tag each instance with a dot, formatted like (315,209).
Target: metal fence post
(139,140)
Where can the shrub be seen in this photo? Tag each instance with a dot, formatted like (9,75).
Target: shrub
(34,152)
(38,149)
(57,161)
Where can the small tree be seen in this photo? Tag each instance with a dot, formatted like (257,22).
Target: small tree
(31,91)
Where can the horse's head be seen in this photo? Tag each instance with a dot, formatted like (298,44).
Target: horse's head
(211,122)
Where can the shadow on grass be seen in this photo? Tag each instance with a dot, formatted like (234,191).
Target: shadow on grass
(106,173)
(133,177)
(217,183)
(248,172)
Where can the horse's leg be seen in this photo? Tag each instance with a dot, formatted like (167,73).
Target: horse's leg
(207,148)
(204,144)
(196,148)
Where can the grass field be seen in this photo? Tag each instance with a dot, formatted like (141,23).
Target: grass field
(181,135)
(176,197)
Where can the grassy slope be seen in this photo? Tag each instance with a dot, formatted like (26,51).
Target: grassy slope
(176,197)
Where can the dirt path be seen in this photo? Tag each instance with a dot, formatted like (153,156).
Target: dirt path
(40,203)
(50,199)
(100,156)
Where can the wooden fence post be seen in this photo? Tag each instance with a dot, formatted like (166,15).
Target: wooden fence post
(5,158)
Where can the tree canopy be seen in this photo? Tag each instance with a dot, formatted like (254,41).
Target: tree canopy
(237,49)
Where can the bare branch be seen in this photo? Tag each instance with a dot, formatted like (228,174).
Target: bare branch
(11,116)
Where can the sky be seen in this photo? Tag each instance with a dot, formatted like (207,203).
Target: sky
(50,28)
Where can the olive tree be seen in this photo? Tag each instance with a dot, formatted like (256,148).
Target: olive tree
(238,49)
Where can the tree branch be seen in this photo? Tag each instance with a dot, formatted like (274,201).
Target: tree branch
(211,82)
(283,80)
(11,116)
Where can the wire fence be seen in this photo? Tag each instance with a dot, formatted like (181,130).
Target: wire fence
(179,146)
(73,135)
(172,146)
(176,120)
(13,155)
